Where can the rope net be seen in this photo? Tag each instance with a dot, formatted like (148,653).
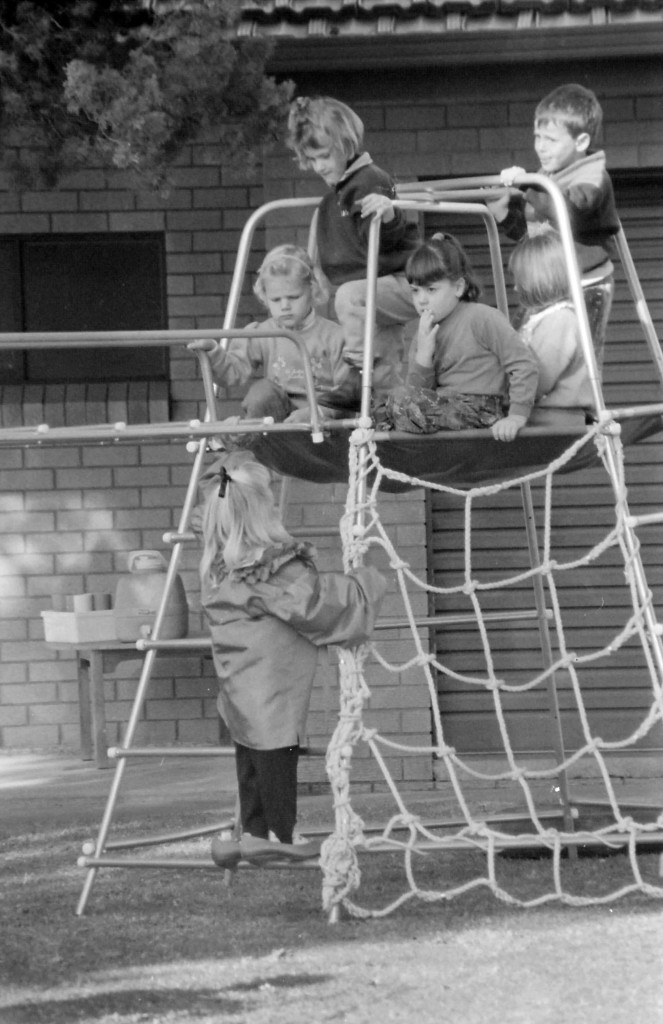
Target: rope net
(555,833)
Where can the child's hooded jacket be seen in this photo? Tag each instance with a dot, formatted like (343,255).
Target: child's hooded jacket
(267,621)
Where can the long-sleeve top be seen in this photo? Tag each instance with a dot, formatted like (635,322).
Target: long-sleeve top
(342,232)
(590,201)
(553,338)
(267,622)
(477,352)
(279,357)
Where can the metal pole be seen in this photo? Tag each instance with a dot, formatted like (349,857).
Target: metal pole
(640,302)
(556,730)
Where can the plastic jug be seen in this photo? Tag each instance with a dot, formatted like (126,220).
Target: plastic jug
(138,596)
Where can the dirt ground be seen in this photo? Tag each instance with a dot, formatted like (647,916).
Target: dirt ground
(182,946)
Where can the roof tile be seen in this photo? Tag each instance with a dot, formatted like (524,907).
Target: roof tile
(410,15)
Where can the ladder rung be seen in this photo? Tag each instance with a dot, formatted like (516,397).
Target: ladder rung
(651,519)
(452,619)
(295,531)
(193,862)
(190,643)
(117,753)
(162,838)
(313,531)
(202,643)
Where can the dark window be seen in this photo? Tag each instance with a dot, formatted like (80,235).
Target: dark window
(113,282)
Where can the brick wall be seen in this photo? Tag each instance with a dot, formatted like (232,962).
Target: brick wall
(466,120)
(68,516)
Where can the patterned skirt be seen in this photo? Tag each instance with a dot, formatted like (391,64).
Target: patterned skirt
(422,411)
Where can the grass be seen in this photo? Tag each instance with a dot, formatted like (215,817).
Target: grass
(181,946)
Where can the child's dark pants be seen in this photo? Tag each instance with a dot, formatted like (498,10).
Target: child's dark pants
(267,781)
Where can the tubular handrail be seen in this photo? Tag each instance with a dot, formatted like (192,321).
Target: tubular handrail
(132,339)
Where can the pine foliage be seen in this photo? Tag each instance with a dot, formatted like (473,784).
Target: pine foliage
(128,84)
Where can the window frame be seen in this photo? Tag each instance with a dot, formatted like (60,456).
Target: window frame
(25,368)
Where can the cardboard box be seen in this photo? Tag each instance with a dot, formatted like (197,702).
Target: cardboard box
(78,627)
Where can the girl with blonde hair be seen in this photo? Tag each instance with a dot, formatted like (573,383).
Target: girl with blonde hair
(549,328)
(290,286)
(269,610)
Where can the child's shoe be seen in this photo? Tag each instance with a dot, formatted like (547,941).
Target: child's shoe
(258,851)
(231,442)
(305,849)
(346,395)
(225,852)
(237,442)
(300,849)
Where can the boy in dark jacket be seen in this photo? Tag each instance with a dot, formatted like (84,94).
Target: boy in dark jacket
(567,124)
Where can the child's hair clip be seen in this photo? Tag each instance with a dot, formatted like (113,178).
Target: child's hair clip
(224,480)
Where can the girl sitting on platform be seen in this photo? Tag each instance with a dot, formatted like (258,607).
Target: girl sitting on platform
(550,330)
(467,365)
(269,610)
(290,286)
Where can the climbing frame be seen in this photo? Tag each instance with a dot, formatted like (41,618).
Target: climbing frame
(557,831)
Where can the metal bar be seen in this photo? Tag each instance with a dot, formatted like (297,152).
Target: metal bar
(652,627)
(87,848)
(444,844)
(568,244)
(369,322)
(294,531)
(633,412)
(496,261)
(118,753)
(460,196)
(557,733)
(105,433)
(189,643)
(94,863)
(519,842)
(125,339)
(624,803)
(651,519)
(451,184)
(453,619)
(45,436)
(430,825)
(208,383)
(640,302)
